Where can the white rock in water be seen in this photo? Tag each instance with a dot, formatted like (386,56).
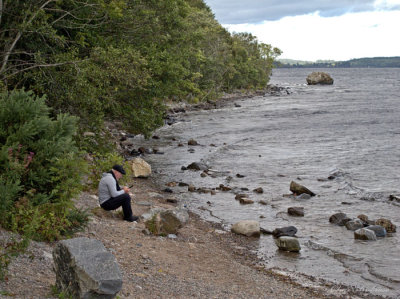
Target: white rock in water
(249,228)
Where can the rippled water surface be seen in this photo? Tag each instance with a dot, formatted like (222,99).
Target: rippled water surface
(350,129)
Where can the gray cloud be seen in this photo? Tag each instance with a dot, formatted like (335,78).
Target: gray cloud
(254,11)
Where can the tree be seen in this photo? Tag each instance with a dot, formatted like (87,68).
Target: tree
(33,30)
(120,59)
(40,166)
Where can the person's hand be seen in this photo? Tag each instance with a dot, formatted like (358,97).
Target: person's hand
(126,189)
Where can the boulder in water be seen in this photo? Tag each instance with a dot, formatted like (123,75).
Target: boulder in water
(192,142)
(240,195)
(259,190)
(289,231)
(354,224)
(299,189)
(365,234)
(319,78)
(288,244)
(387,224)
(339,219)
(245,201)
(365,220)
(197,166)
(296,211)
(222,187)
(380,231)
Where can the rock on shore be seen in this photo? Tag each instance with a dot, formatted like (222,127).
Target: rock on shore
(161,221)
(140,168)
(85,269)
(249,228)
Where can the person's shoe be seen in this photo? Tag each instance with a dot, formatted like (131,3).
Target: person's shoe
(132,218)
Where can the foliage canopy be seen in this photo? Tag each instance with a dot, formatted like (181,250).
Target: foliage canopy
(120,59)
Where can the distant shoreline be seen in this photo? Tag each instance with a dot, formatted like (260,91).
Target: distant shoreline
(373,62)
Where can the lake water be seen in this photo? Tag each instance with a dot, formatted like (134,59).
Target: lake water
(350,129)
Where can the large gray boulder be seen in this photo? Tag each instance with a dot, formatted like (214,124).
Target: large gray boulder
(288,244)
(85,269)
(319,78)
(249,228)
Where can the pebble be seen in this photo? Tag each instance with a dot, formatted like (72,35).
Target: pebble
(219,231)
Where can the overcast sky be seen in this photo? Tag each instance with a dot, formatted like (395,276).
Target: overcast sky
(312,29)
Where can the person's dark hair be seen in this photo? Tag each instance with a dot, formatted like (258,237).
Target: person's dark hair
(119,168)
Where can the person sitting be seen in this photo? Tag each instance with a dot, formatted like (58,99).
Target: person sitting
(111,196)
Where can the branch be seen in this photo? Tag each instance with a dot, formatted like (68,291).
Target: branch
(1,9)
(70,13)
(19,34)
(43,65)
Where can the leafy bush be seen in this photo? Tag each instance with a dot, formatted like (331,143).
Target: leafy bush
(47,222)
(40,167)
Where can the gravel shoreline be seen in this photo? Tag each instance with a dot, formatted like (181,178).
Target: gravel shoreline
(204,261)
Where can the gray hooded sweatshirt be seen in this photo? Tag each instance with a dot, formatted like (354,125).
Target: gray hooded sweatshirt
(108,188)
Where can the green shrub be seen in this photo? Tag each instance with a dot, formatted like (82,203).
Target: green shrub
(47,222)
(40,167)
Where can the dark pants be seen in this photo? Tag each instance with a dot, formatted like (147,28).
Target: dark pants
(114,203)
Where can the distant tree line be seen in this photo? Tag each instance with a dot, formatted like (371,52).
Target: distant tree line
(355,63)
